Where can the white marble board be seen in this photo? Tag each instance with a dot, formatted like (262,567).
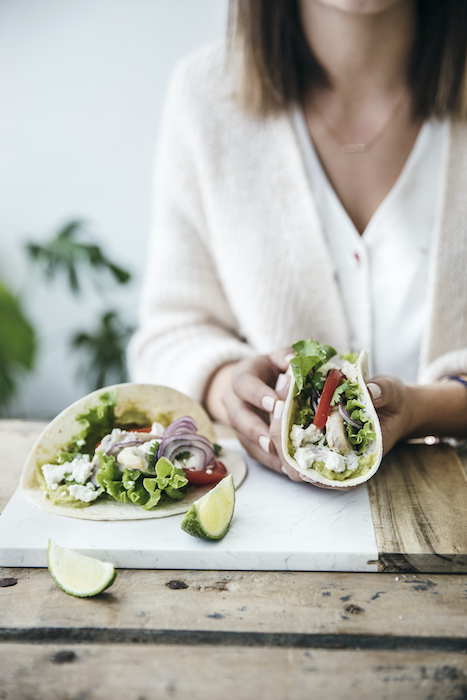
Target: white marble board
(278,525)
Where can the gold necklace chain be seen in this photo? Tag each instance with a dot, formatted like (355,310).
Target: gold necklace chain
(367,146)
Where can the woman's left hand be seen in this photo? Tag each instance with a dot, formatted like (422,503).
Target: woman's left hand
(393,402)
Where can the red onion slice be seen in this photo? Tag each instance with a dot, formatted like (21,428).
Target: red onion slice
(346,416)
(181,436)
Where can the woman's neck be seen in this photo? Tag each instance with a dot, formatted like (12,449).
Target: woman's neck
(364,53)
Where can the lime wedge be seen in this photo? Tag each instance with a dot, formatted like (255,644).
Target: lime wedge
(209,517)
(77,574)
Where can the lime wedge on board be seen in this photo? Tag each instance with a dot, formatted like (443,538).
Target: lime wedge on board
(77,574)
(209,517)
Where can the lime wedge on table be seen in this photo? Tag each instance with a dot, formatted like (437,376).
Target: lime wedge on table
(210,516)
(77,574)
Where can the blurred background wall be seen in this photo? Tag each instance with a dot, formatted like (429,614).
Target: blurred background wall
(82,85)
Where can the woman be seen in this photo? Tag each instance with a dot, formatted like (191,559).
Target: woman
(310,183)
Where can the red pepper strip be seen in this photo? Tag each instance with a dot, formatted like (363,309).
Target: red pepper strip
(324,406)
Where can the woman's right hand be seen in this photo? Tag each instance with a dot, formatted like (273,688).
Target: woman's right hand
(245,395)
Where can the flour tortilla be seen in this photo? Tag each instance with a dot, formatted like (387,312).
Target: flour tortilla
(150,399)
(363,376)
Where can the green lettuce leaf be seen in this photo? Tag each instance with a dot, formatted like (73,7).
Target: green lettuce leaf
(134,486)
(309,355)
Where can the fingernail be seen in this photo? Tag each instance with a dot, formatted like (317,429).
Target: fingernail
(281,382)
(375,391)
(279,409)
(289,357)
(283,470)
(267,402)
(264,443)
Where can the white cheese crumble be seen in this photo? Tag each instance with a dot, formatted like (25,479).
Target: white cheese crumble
(335,462)
(306,456)
(147,446)
(190,463)
(55,473)
(85,493)
(78,470)
(81,468)
(157,430)
(350,371)
(302,436)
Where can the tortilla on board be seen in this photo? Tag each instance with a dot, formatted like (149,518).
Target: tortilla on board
(149,399)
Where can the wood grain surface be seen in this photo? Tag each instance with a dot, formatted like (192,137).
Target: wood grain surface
(173,635)
(93,672)
(419,507)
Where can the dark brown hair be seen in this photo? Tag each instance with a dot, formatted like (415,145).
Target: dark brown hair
(278,67)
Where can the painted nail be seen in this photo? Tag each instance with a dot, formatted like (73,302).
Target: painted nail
(267,402)
(264,443)
(375,391)
(281,382)
(284,470)
(279,409)
(289,357)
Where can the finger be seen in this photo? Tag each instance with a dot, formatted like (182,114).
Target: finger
(248,424)
(375,392)
(275,435)
(281,358)
(282,385)
(254,385)
(384,390)
(270,460)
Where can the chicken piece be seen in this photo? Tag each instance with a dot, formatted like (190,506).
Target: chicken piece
(336,436)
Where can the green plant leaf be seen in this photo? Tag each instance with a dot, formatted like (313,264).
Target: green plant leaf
(18,344)
(105,348)
(67,254)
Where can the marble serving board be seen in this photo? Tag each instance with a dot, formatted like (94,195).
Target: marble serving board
(278,525)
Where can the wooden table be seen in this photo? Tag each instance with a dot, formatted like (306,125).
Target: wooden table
(211,634)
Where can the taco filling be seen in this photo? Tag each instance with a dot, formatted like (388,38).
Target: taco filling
(129,460)
(331,427)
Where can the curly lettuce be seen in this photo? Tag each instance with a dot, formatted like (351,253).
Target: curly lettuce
(134,486)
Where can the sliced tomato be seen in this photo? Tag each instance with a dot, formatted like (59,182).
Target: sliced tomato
(324,406)
(204,477)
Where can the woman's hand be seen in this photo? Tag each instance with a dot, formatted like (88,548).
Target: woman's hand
(393,401)
(242,396)
(411,411)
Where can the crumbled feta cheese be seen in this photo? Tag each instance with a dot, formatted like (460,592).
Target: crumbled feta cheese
(130,483)
(147,446)
(350,371)
(302,436)
(335,462)
(55,473)
(305,456)
(83,493)
(190,463)
(78,470)
(157,430)
(81,468)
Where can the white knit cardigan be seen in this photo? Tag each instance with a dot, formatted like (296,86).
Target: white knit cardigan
(238,263)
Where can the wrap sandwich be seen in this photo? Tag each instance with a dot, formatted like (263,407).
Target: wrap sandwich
(330,429)
(127,452)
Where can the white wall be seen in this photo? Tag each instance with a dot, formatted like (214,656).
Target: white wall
(82,85)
